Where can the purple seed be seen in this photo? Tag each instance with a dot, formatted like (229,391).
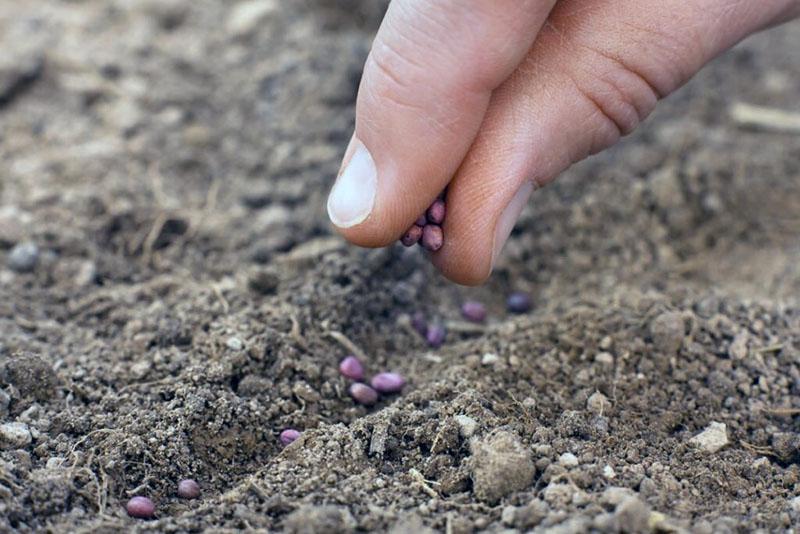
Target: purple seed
(518,302)
(363,394)
(422,220)
(289,435)
(140,507)
(435,336)
(474,311)
(432,238)
(388,382)
(420,324)
(188,489)
(412,236)
(351,368)
(436,212)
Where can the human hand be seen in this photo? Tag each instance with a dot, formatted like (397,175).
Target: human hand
(493,98)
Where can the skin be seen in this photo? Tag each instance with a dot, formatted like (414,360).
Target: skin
(495,98)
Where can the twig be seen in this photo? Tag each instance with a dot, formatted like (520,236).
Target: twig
(773,119)
(419,479)
(346,343)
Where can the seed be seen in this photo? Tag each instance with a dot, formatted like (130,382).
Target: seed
(436,212)
(419,324)
(518,302)
(432,238)
(474,311)
(351,368)
(289,435)
(140,507)
(435,335)
(422,220)
(412,236)
(388,382)
(188,489)
(363,394)
(24,257)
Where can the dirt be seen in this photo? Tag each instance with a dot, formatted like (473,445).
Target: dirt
(187,299)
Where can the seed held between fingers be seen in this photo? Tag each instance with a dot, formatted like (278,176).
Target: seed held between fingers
(412,236)
(436,212)
(432,237)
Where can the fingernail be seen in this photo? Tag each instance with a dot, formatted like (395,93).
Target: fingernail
(509,218)
(353,195)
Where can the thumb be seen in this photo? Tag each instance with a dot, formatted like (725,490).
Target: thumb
(425,89)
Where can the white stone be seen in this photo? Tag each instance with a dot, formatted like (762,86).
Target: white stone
(794,504)
(246,16)
(609,472)
(234,343)
(605,358)
(14,435)
(568,460)
(467,425)
(490,358)
(713,438)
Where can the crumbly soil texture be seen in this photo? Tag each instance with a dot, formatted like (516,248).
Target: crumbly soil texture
(172,297)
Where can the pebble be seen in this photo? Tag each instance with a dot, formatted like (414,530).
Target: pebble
(140,507)
(188,489)
(597,403)
(604,358)
(363,394)
(234,343)
(667,331)
(467,425)
(352,368)
(474,311)
(435,335)
(568,460)
(388,382)
(14,435)
(246,16)
(500,464)
(632,515)
(609,472)
(490,358)
(713,438)
(518,302)
(289,435)
(24,257)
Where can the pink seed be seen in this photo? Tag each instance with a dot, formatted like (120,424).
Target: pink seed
(289,435)
(473,311)
(363,394)
(432,238)
(422,220)
(412,236)
(188,489)
(435,335)
(140,507)
(436,212)
(351,368)
(419,324)
(388,382)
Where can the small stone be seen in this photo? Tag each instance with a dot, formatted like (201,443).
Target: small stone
(507,516)
(604,358)
(140,507)
(794,504)
(24,257)
(713,438)
(467,425)
(289,435)
(568,460)
(188,489)
(363,394)
(614,495)
(246,16)
(432,237)
(412,236)
(632,515)
(234,343)
(490,358)
(14,435)
(761,462)
(436,335)
(388,382)
(667,331)
(500,464)
(473,311)
(519,302)
(436,212)
(609,472)
(597,403)
(352,368)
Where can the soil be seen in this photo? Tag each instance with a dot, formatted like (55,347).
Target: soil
(186,299)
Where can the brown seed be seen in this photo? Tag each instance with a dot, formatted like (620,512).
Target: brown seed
(412,236)
(432,238)
(436,212)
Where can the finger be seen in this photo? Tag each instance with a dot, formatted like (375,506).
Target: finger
(595,72)
(425,89)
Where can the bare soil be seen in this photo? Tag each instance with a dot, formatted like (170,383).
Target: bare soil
(170,160)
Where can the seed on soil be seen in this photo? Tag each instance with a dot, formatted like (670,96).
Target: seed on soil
(23,257)
(363,394)
(435,335)
(188,489)
(432,237)
(474,311)
(419,323)
(289,435)
(412,236)
(140,507)
(351,368)
(388,382)
(436,212)
(518,302)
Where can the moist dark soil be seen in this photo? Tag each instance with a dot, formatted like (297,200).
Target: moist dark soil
(186,299)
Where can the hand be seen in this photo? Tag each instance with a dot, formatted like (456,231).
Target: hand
(493,98)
